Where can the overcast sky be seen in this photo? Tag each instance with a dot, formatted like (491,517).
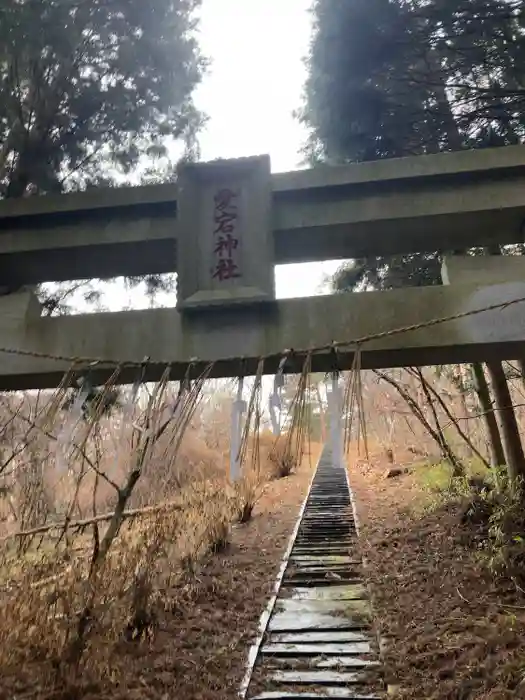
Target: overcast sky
(254,83)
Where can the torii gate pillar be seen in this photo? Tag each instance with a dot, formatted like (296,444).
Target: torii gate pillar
(225,240)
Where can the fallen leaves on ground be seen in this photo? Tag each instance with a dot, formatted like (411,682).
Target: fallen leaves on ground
(200,647)
(452,631)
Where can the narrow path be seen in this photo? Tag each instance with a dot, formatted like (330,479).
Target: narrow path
(318,640)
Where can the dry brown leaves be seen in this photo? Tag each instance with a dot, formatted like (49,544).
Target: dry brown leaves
(454,632)
(202,580)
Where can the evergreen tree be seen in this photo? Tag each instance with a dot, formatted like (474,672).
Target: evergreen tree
(95,93)
(90,87)
(391,78)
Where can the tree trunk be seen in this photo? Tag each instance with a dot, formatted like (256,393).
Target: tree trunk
(464,405)
(521,365)
(508,422)
(455,139)
(457,466)
(497,455)
(446,451)
(507,418)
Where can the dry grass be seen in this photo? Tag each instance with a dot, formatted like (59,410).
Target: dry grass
(115,523)
(282,460)
(106,518)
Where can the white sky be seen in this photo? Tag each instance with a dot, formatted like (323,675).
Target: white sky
(255,82)
(253,85)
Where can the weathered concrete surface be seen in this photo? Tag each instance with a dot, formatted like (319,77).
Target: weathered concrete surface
(164,335)
(437,202)
(225,240)
(488,269)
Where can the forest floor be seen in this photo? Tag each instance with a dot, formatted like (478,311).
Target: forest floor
(200,647)
(452,631)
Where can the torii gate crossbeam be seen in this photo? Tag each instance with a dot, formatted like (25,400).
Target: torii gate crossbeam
(226,225)
(426,203)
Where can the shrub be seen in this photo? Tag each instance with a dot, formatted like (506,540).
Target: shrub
(282,459)
(247,492)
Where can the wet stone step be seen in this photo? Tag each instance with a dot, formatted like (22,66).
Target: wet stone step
(320,542)
(317,582)
(350,539)
(319,677)
(319,620)
(334,490)
(300,559)
(322,522)
(319,496)
(325,648)
(316,637)
(329,547)
(331,593)
(325,692)
(318,563)
(353,664)
(307,615)
(329,550)
(311,566)
(319,510)
(322,526)
(329,523)
(344,528)
(326,577)
(320,545)
(322,570)
(327,527)
(303,537)
(344,513)
(356,606)
(320,551)
(342,562)
(318,642)
(297,569)
(322,663)
(327,512)
(342,518)
(286,603)
(313,532)
(323,533)
(321,506)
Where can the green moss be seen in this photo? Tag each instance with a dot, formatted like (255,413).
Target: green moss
(433,478)
(437,487)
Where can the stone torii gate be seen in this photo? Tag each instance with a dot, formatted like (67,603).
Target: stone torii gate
(226,224)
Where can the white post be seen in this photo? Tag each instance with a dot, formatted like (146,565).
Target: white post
(129,406)
(238,408)
(276,404)
(336,427)
(65,436)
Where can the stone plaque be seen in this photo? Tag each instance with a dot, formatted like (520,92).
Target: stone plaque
(224,233)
